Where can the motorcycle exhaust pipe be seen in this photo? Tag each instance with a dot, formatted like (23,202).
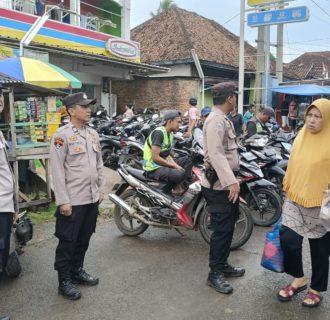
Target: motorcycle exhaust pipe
(121,203)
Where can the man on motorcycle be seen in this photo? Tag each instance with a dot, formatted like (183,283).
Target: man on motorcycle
(257,124)
(157,160)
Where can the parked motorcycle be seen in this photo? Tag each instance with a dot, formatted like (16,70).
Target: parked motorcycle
(22,232)
(141,202)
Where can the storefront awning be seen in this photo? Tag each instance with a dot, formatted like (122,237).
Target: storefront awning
(303,90)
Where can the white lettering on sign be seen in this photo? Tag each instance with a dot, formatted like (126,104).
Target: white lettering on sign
(123,49)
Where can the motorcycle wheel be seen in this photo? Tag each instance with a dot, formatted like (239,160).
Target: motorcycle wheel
(243,227)
(271,207)
(127,225)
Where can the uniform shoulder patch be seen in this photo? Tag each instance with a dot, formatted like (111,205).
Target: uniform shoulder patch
(58,142)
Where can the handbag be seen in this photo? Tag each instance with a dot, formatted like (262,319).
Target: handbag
(273,257)
(325,209)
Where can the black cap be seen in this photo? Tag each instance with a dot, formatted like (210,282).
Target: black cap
(79,98)
(269,111)
(171,114)
(224,89)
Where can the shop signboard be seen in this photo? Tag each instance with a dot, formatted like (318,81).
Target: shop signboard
(290,15)
(123,49)
(253,3)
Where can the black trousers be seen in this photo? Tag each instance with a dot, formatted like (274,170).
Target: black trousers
(74,233)
(224,215)
(6,221)
(173,175)
(291,243)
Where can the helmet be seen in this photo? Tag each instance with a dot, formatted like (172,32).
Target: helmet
(193,101)
(24,231)
(206,111)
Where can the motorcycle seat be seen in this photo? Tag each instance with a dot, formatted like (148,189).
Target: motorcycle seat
(139,174)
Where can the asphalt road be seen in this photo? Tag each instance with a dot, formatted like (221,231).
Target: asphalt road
(159,275)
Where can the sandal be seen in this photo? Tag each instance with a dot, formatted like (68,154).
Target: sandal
(290,291)
(315,297)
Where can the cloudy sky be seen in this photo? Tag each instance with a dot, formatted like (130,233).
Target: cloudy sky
(312,35)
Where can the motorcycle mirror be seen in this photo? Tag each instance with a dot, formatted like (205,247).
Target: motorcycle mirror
(178,135)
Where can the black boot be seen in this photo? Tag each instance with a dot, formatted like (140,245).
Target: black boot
(66,288)
(230,271)
(80,276)
(217,281)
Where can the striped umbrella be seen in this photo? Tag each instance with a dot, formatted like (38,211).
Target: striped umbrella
(38,73)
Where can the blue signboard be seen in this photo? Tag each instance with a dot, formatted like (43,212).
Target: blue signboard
(289,15)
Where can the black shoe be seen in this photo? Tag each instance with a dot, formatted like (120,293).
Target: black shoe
(217,281)
(5,318)
(68,290)
(80,276)
(230,271)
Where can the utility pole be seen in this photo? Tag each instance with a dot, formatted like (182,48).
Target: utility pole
(241,59)
(260,66)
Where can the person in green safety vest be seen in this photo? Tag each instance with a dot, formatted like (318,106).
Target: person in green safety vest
(257,124)
(157,160)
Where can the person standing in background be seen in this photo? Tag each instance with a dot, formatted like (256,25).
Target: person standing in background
(293,113)
(193,116)
(238,122)
(128,114)
(249,113)
(285,111)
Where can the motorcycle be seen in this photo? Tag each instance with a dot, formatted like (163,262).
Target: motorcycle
(22,232)
(263,201)
(141,202)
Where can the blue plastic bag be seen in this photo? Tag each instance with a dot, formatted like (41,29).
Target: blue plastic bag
(273,257)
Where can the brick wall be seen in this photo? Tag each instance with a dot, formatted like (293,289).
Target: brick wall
(158,93)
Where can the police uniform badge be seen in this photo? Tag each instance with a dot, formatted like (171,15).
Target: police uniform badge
(58,142)
(73,138)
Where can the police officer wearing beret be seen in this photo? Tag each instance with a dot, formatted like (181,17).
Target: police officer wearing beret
(220,186)
(77,171)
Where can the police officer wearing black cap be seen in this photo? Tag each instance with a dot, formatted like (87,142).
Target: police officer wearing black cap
(158,162)
(77,172)
(220,186)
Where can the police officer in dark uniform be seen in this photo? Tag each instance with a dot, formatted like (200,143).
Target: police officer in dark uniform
(257,124)
(77,171)
(220,186)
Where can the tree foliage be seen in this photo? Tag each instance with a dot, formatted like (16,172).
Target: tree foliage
(164,5)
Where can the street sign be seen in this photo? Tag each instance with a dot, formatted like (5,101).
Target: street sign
(253,3)
(296,14)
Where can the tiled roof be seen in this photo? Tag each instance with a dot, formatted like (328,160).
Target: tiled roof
(310,65)
(171,36)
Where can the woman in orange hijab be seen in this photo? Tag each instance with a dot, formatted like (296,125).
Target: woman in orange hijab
(307,176)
